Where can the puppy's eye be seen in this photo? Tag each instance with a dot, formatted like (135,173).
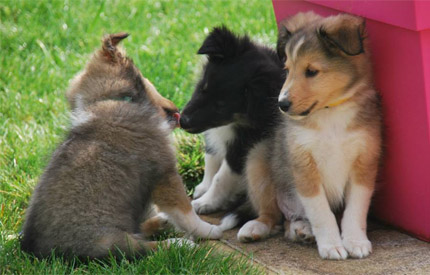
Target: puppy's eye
(287,71)
(127,98)
(311,73)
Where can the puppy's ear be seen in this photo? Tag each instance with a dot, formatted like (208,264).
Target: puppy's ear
(283,36)
(221,44)
(344,33)
(109,47)
(261,96)
(291,25)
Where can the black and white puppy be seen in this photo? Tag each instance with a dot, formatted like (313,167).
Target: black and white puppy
(235,104)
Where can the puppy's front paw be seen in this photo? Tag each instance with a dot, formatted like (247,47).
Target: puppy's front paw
(332,252)
(300,231)
(253,231)
(357,248)
(208,231)
(202,206)
(200,190)
(215,233)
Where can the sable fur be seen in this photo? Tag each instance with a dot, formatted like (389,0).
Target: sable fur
(325,154)
(115,161)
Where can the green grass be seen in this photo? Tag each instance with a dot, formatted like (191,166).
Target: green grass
(44,43)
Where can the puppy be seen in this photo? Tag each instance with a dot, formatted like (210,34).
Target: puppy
(235,105)
(117,159)
(326,153)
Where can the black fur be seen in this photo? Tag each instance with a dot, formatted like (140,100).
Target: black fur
(283,36)
(240,85)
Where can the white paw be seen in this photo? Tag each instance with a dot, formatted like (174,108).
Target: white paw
(332,252)
(180,242)
(357,248)
(204,206)
(200,190)
(209,231)
(253,231)
(300,231)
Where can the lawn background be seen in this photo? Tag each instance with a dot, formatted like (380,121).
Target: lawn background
(44,43)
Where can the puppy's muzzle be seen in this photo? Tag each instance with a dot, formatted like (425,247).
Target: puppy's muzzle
(184,122)
(284,105)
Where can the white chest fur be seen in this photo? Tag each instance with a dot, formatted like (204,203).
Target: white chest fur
(218,138)
(333,146)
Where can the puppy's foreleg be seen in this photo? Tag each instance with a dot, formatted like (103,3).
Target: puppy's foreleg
(171,198)
(212,165)
(358,195)
(225,186)
(312,196)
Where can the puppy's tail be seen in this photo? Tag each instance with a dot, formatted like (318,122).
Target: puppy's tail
(243,213)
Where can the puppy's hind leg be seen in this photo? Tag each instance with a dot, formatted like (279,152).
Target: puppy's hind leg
(262,194)
(154,225)
(212,165)
(118,243)
(299,230)
(225,185)
(171,198)
(129,245)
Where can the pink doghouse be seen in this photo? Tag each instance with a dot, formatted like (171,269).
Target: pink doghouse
(399,33)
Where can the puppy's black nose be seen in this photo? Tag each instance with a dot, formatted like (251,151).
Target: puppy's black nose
(184,122)
(284,105)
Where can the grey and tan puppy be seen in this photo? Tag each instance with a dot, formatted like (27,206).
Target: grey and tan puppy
(116,160)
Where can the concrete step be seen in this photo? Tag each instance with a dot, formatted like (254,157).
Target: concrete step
(393,253)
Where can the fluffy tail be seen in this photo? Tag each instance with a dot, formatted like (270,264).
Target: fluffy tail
(243,213)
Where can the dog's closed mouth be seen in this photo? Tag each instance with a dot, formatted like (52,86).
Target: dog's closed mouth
(306,112)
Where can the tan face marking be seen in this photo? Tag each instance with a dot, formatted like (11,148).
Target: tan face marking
(309,92)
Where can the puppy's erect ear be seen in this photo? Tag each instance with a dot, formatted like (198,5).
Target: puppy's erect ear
(109,47)
(221,43)
(344,33)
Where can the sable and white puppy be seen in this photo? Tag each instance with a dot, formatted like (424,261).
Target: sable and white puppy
(116,161)
(327,151)
(235,105)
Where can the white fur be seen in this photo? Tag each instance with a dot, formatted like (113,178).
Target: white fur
(252,231)
(225,185)
(228,222)
(218,138)
(324,226)
(299,230)
(219,183)
(192,224)
(79,115)
(285,91)
(354,222)
(296,48)
(165,126)
(333,146)
(212,165)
